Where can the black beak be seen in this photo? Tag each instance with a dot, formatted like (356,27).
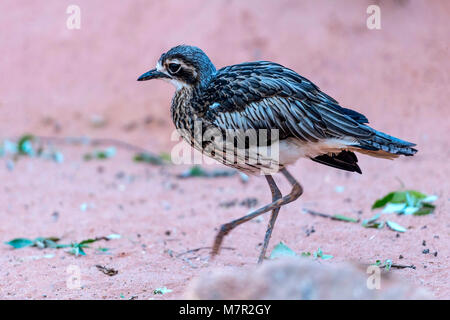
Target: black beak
(152,74)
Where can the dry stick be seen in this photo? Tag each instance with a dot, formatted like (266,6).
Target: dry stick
(314,213)
(198,249)
(400,266)
(324,215)
(108,271)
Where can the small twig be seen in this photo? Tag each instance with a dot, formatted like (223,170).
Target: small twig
(329,216)
(394,265)
(315,213)
(102,238)
(400,266)
(108,271)
(189,262)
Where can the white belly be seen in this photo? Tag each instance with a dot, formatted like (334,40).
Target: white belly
(292,149)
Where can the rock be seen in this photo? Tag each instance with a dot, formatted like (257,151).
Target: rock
(299,278)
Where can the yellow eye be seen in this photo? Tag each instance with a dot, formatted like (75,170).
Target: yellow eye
(174,67)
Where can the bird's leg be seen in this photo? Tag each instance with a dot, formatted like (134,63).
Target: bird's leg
(276,195)
(296,192)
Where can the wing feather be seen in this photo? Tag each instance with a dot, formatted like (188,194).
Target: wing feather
(266,95)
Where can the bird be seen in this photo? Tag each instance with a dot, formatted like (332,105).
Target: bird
(260,117)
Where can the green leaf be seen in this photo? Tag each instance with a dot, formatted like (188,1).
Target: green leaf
(48,243)
(148,158)
(410,210)
(24,145)
(409,197)
(165,157)
(344,218)
(320,254)
(101,154)
(282,250)
(430,198)
(388,264)
(162,290)
(113,236)
(394,208)
(195,171)
(87,241)
(426,208)
(417,194)
(19,243)
(77,250)
(373,223)
(306,254)
(394,226)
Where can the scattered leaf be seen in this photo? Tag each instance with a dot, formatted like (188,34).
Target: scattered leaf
(162,290)
(394,226)
(244,177)
(388,264)
(101,154)
(24,145)
(383,201)
(282,250)
(427,208)
(195,171)
(198,171)
(394,208)
(320,254)
(373,223)
(344,218)
(38,242)
(113,236)
(406,202)
(20,243)
(306,254)
(149,158)
(165,157)
(430,198)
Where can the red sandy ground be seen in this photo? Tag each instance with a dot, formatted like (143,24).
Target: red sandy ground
(398,76)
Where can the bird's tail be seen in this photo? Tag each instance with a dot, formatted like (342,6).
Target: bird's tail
(382,145)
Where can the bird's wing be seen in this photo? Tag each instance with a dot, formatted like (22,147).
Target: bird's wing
(266,95)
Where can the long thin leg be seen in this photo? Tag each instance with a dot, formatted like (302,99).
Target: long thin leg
(296,192)
(276,195)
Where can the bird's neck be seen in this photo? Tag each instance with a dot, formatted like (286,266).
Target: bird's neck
(182,111)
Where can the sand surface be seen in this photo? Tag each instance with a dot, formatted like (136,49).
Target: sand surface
(60,82)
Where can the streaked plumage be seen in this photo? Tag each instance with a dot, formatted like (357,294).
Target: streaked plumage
(266,95)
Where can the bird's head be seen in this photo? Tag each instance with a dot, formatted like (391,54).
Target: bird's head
(183,66)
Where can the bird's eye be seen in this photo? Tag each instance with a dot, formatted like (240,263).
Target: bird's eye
(174,67)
